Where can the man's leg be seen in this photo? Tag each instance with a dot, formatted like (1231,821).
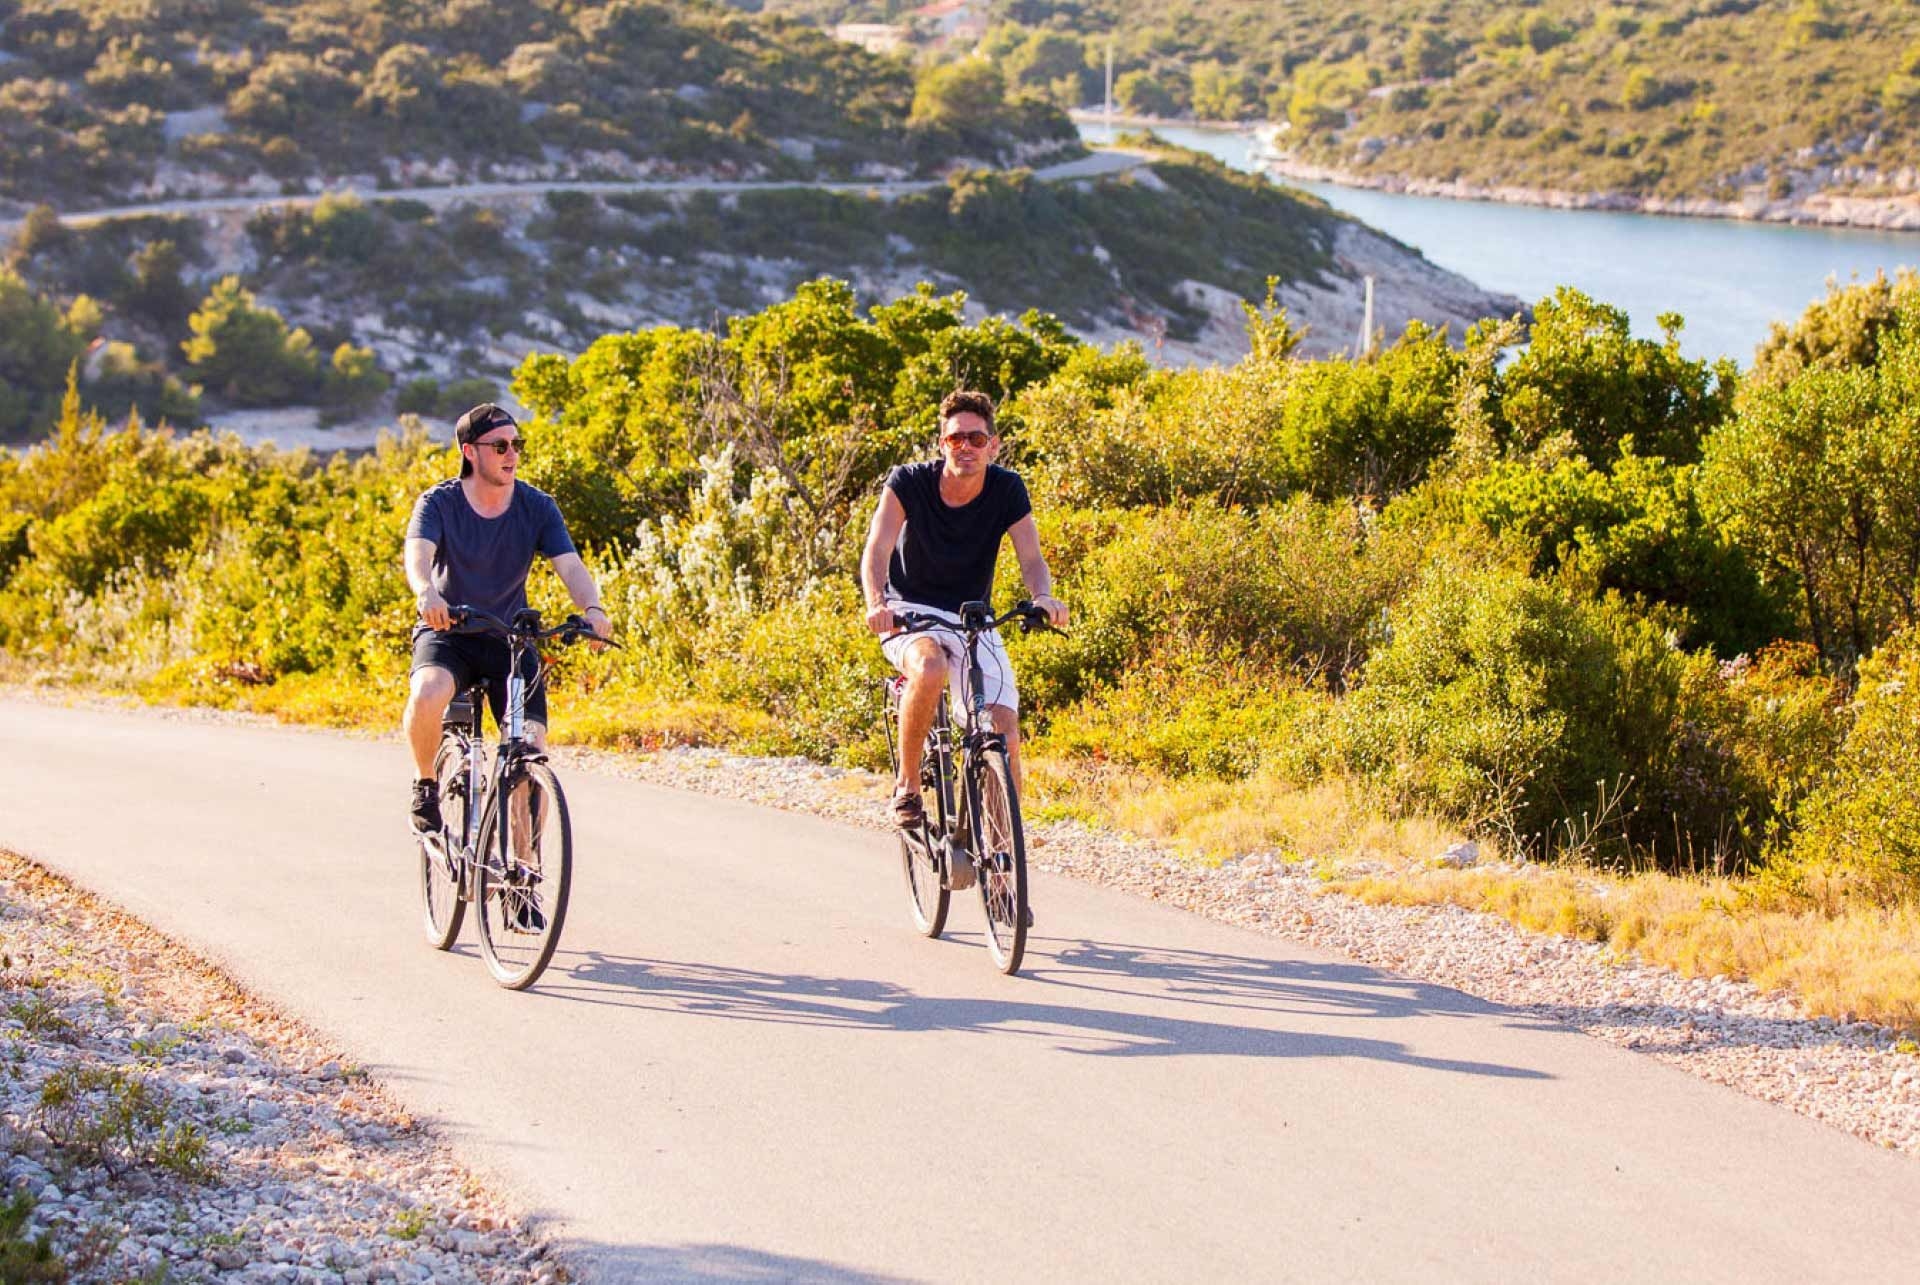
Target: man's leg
(1007,722)
(521,826)
(926,671)
(429,692)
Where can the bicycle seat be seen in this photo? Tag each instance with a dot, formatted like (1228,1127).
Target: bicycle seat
(460,708)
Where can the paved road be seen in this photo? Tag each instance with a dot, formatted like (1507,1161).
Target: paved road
(746,1066)
(1105,161)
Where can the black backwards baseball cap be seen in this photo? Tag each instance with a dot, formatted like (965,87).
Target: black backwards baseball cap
(476,424)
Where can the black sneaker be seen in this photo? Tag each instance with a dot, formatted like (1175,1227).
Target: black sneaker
(524,916)
(426,807)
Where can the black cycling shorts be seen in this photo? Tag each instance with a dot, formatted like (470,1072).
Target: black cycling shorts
(471,657)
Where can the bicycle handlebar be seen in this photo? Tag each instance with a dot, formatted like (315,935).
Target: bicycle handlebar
(1023,613)
(571,630)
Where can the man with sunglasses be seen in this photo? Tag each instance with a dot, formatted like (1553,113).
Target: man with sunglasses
(932,546)
(472,541)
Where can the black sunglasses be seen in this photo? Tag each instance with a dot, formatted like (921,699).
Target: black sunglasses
(505,444)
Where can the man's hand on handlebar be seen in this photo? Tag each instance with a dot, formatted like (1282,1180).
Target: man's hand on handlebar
(434,610)
(602,625)
(880,620)
(1056,610)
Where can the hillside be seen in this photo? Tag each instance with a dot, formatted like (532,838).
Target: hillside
(1774,108)
(355,309)
(345,282)
(111,101)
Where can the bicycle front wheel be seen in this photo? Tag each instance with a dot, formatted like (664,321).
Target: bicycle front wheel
(927,897)
(526,873)
(1000,856)
(439,868)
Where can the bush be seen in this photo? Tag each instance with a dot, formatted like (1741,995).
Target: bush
(1639,531)
(1521,711)
(37,347)
(1858,833)
(1816,477)
(245,352)
(1584,377)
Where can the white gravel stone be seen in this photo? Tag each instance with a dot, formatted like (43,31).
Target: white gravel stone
(307,1167)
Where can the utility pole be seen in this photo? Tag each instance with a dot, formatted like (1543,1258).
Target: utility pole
(1365,345)
(1109,88)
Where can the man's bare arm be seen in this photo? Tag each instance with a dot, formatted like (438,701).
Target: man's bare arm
(882,534)
(1034,571)
(418,561)
(574,575)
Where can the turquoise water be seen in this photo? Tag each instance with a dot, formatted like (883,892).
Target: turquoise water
(1729,280)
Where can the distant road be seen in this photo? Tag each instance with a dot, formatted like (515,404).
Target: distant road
(744,1065)
(1109,161)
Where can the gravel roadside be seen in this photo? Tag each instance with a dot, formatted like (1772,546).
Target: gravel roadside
(160,1124)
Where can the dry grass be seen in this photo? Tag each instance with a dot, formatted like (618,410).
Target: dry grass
(1216,820)
(1856,962)
(1852,962)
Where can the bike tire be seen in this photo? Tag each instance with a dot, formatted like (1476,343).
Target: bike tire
(543,877)
(999,856)
(927,897)
(442,906)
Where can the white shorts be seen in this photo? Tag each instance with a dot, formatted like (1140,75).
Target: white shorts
(996,671)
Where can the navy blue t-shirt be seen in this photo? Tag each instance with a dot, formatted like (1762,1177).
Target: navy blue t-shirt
(946,555)
(483,562)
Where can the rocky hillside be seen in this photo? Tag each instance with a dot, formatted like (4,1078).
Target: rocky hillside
(352,309)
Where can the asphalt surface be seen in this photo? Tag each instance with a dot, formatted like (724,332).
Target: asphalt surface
(745,1064)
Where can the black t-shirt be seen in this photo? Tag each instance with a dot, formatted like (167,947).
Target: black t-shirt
(945,555)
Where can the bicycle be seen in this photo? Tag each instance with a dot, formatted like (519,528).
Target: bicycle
(976,809)
(506,843)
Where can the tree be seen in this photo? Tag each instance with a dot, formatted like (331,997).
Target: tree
(353,380)
(1044,58)
(963,95)
(36,349)
(403,84)
(1817,478)
(245,352)
(1142,94)
(1218,93)
(1585,377)
(159,294)
(1429,55)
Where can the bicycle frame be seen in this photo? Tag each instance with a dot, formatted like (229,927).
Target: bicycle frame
(937,767)
(508,763)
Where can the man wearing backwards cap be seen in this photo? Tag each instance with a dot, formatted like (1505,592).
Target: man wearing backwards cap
(472,541)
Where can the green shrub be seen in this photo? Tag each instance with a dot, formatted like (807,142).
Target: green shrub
(1585,378)
(1816,477)
(245,352)
(1858,832)
(1516,709)
(1637,530)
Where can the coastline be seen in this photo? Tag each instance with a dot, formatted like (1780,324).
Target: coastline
(1818,207)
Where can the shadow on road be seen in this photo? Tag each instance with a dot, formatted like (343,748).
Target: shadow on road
(1141,980)
(601,1262)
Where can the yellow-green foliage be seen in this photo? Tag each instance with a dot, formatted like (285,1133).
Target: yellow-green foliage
(1859,831)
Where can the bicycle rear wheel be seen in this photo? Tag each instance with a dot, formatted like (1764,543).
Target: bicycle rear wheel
(1000,856)
(526,874)
(439,869)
